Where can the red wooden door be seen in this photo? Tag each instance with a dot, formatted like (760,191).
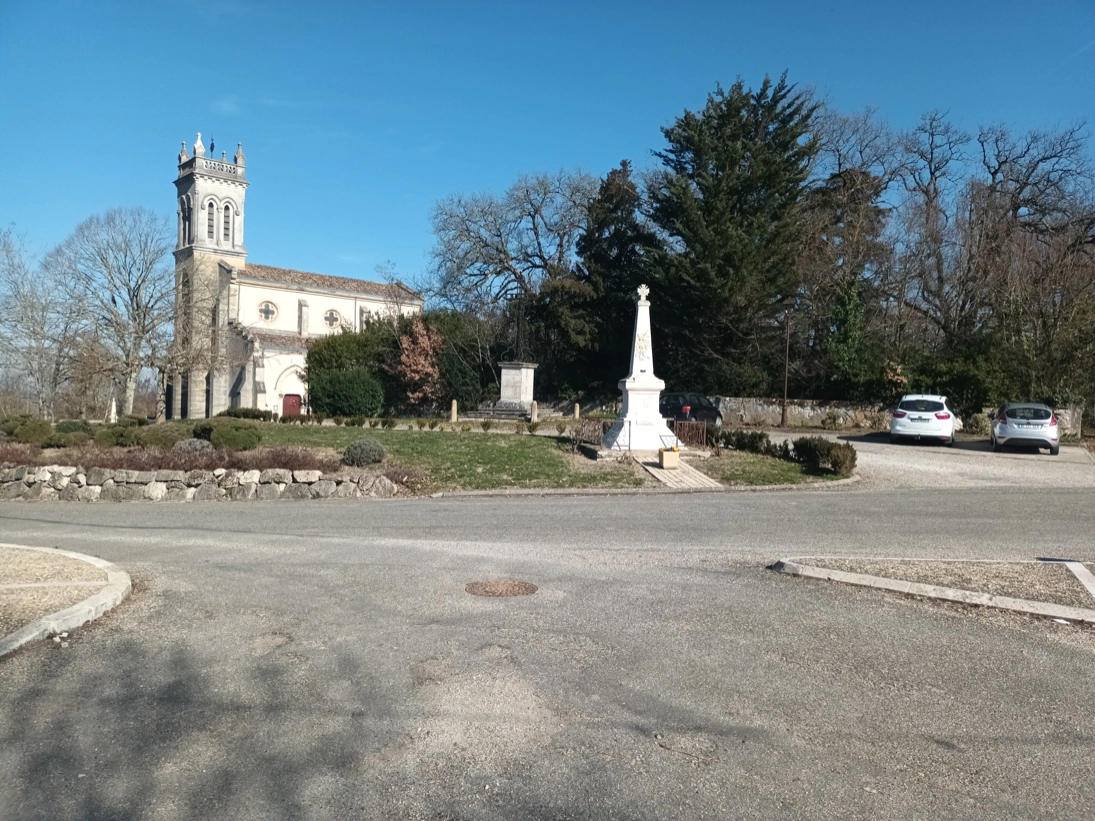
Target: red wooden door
(290,405)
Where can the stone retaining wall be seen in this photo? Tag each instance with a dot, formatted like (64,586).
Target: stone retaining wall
(75,484)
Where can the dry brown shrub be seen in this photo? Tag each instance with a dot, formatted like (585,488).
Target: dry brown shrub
(288,458)
(409,477)
(19,454)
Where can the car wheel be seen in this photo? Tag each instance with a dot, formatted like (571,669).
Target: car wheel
(718,421)
(995,445)
(950,442)
(894,439)
(1053,451)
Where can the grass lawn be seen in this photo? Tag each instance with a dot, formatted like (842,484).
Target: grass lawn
(455,460)
(737,468)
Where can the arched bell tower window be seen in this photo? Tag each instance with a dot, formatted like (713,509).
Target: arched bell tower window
(209,222)
(227,223)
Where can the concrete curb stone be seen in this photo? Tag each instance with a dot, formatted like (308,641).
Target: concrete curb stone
(931,591)
(115,590)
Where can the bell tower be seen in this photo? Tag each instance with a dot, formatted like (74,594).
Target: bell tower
(210,196)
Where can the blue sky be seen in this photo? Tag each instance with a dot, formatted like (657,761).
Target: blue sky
(357,117)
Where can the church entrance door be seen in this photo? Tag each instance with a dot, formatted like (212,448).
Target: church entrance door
(290,405)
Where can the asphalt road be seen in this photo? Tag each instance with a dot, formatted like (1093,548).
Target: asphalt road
(322,660)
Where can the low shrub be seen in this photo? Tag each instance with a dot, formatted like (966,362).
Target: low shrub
(842,459)
(373,423)
(750,441)
(33,431)
(486,425)
(356,422)
(191,446)
(976,424)
(75,439)
(163,435)
(465,426)
(15,454)
(74,426)
(10,423)
(420,424)
(116,436)
(363,452)
(388,423)
(560,428)
(532,427)
(318,418)
(433,423)
(405,475)
(813,451)
(132,420)
(339,421)
(257,414)
(235,434)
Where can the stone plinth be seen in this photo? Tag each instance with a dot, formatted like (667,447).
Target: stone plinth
(640,425)
(516,388)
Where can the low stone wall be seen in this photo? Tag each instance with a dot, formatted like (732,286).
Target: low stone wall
(75,484)
(802,413)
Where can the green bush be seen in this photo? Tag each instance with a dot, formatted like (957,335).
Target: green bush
(162,435)
(10,423)
(842,459)
(486,425)
(433,423)
(363,452)
(388,423)
(33,432)
(532,427)
(74,426)
(116,436)
(350,392)
(257,414)
(813,451)
(66,440)
(560,428)
(465,426)
(339,421)
(420,424)
(228,433)
(750,441)
(132,420)
(373,423)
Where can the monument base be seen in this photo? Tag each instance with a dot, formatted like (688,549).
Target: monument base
(639,434)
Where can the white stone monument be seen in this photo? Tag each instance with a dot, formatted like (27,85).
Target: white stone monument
(516,387)
(640,425)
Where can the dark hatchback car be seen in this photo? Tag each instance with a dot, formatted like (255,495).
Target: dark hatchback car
(691,407)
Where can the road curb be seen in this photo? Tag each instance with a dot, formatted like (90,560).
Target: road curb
(931,591)
(117,587)
(835,484)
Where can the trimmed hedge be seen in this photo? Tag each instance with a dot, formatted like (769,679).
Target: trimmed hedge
(257,414)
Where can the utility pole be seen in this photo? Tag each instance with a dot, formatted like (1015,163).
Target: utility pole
(787,303)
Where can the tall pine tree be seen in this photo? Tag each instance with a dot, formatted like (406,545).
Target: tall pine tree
(728,201)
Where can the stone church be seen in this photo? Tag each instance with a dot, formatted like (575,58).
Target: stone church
(242,330)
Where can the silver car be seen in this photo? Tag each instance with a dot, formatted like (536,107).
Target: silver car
(1026,424)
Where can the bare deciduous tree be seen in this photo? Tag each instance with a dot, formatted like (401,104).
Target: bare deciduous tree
(115,272)
(39,332)
(491,249)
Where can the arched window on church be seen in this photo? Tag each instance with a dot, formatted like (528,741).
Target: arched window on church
(227,223)
(209,224)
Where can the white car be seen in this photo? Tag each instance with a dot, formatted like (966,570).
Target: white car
(923,416)
(1026,424)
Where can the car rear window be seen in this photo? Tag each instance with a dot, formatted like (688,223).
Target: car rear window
(1029,414)
(922,405)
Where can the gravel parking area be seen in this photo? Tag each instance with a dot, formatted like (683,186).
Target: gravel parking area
(968,464)
(1035,581)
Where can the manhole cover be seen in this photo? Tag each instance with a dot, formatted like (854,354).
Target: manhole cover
(501,588)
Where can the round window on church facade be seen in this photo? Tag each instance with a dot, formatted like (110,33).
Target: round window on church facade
(333,318)
(268,311)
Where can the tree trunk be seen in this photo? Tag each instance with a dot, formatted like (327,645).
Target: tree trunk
(130,392)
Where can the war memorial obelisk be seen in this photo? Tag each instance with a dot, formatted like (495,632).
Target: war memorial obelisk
(640,425)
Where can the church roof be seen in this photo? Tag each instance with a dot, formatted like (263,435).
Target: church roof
(397,291)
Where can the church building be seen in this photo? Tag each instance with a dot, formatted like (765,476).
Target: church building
(242,330)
